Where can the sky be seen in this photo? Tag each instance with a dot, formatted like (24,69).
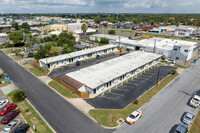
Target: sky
(99,6)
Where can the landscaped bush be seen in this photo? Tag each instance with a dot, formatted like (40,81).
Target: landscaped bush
(136,101)
(18,96)
(173,71)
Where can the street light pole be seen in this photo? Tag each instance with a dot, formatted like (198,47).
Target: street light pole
(158,75)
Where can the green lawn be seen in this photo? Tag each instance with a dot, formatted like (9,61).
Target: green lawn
(62,90)
(196,125)
(31,116)
(5,83)
(36,72)
(109,117)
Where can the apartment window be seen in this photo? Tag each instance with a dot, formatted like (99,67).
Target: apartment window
(175,49)
(177,58)
(186,50)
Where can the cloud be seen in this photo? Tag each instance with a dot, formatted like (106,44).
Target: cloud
(137,4)
(186,3)
(92,4)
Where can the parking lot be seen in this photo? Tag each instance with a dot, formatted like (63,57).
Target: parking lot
(2,96)
(121,95)
(60,71)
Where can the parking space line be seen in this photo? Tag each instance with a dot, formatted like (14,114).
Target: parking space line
(102,94)
(133,83)
(116,86)
(110,90)
(122,83)
(114,93)
(132,78)
(122,90)
(107,97)
(126,81)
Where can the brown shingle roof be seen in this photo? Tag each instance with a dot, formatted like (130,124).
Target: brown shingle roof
(76,84)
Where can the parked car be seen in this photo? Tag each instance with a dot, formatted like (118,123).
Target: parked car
(181,128)
(78,63)
(133,117)
(188,117)
(3,103)
(195,101)
(98,57)
(6,109)
(170,61)
(10,116)
(22,129)
(11,126)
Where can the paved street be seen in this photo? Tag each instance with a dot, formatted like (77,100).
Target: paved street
(124,93)
(60,114)
(166,109)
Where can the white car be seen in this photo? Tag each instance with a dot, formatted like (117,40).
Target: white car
(11,126)
(170,61)
(188,117)
(133,117)
(195,101)
(3,103)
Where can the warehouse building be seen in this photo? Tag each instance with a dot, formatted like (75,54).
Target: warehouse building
(105,75)
(73,57)
(176,49)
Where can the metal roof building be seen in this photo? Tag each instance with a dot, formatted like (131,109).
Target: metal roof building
(108,73)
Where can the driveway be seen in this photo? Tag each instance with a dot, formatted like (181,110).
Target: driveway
(123,94)
(166,109)
(60,114)
(59,72)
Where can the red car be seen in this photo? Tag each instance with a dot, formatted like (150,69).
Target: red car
(6,109)
(10,116)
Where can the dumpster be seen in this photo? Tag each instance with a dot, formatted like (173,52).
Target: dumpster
(7,79)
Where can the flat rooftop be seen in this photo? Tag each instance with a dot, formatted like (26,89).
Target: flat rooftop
(76,54)
(161,43)
(99,74)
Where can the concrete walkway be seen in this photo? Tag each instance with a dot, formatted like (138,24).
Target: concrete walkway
(7,89)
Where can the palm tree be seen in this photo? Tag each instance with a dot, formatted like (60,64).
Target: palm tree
(84,28)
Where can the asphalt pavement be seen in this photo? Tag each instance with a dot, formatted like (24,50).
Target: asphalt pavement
(124,93)
(167,108)
(60,114)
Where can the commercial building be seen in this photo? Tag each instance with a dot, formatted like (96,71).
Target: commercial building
(184,31)
(3,37)
(176,49)
(73,57)
(102,76)
(56,27)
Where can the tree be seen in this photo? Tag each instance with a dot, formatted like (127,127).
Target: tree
(104,41)
(15,25)
(5,20)
(54,51)
(42,52)
(111,32)
(97,19)
(47,39)
(66,38)
(54,38)
(26,26)
(163,58)
(18,96)
(84,28)
(17,51)
(67,49)
(16,37)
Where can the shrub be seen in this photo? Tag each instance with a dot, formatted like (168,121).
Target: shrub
(136,101)
(18,96)
(163,58)
(173,71)
(26,110)
(111,32)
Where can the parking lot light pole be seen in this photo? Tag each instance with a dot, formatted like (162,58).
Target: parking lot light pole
(158,74)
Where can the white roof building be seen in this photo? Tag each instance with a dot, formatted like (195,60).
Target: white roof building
(97,75)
